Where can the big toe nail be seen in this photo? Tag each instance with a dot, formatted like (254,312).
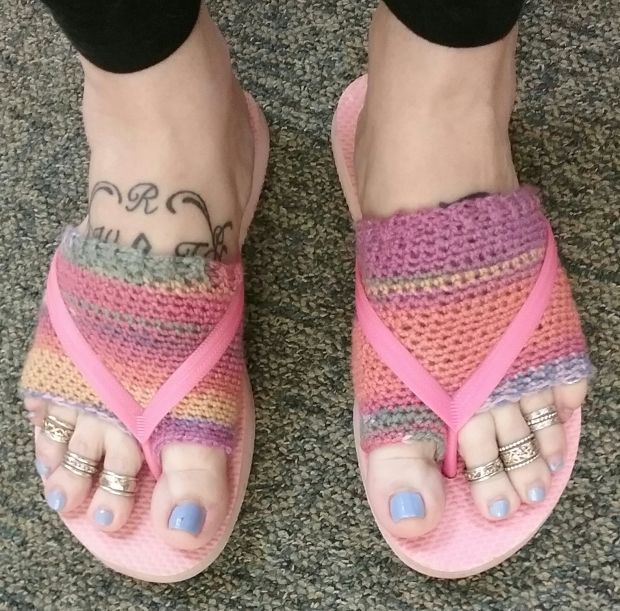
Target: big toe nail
(407,504)
(188,516)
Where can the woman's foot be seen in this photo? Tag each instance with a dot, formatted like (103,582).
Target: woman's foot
(435,129)
(171,166)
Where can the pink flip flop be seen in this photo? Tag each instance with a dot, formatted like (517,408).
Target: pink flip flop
(464,543)
(136,550)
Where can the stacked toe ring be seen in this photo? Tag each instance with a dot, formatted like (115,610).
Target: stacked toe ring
(542,418)
(57,430)
(519,453)
(115,483)
(79,465)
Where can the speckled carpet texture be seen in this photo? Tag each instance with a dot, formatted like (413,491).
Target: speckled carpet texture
(306,538)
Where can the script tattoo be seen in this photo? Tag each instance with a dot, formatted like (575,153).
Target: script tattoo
(142,243)
(213,248)
(106,235)
(142,193)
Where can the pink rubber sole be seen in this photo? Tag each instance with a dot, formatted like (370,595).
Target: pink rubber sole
(464,543)
(136,550)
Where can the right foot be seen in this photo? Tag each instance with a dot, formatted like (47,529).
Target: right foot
(172,135)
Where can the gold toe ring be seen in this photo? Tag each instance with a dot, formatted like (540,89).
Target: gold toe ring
(519,453)
(57,430)
(79,465)
(479,474)
(114,483)
(542,418)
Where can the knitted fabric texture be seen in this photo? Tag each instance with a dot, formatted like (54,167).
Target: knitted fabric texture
(142,315)
(447,282)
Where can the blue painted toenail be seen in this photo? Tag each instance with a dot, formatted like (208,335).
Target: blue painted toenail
(407,505)
(187,516)
(555,464)
(499,508)
(536,494)
(42,469)
(56,499)
(104,517)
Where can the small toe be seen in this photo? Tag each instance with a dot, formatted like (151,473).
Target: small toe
(531,481)
(495,498)
(405,488)
(191,498)
(109,511)
(569,397)
(64,490)
(48,453)
(36,410)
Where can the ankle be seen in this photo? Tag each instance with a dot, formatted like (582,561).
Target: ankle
(434,127)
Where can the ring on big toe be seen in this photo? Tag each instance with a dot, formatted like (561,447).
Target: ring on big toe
(79,465)
(115,483)
(542,418)
(57,430)
(484,472)
(519,453)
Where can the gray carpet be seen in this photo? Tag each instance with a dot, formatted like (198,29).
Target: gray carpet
(306,538)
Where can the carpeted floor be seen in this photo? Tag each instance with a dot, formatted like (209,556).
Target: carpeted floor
(306,538)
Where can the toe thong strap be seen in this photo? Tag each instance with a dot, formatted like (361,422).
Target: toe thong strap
(152,341)
(485,325)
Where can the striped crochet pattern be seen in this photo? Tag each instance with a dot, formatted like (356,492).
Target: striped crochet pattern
(143,315)
(447,282)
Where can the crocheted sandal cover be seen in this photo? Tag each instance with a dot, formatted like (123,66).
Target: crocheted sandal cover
(447,282)
(143,316)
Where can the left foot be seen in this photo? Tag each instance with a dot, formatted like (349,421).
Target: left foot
(434,129)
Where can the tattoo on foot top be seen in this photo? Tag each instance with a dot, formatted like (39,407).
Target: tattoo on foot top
(216,247)
(143,192)
(142,197)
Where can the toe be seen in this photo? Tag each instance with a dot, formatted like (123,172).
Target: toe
(109,511)
(405,488)
(495,498)
(569,397)
(64,490)
(48,453)
(190,500)
(36,410)
(551,439)
(532,480)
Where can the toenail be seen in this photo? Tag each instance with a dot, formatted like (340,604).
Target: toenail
(499,508)
(42,469)
(187,516)
(56,499)
(555,464)
(103,517)
(407,505)
(536,494)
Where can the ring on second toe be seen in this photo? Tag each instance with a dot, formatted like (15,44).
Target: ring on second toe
(115,483)
(484,472)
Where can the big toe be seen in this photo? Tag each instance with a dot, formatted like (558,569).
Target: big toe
(190,500)
(405,488)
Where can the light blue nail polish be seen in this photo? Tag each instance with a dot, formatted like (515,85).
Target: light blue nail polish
(187,516)
(56,499)
(42,469)
(555,464)
(103,517)
(536,494)
(499,508)
(407,505)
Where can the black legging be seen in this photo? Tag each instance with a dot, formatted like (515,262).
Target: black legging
(130,35)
